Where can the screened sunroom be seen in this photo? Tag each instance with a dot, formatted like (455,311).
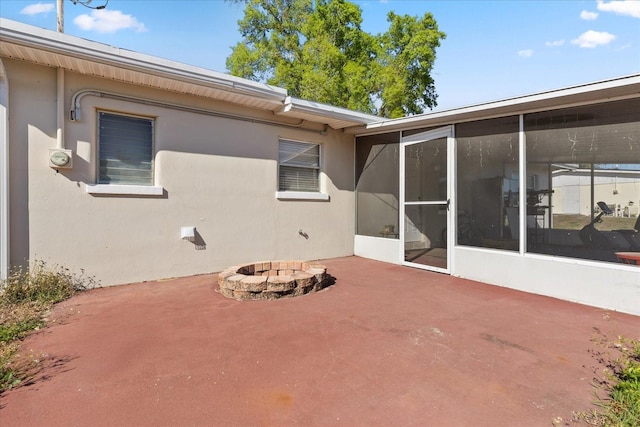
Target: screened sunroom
(539,193)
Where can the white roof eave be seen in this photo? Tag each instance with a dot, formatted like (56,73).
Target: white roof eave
(59,43)
(50,48)
(618,88)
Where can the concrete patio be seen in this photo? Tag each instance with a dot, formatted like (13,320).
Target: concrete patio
(384,346)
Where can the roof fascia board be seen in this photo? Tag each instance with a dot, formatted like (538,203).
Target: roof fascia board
(63,44)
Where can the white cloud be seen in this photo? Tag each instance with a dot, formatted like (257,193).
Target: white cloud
(626,46)
(108,21)
(36,9)
(592,39)
(525,53)
(621,7)
(588,16)
(555,43)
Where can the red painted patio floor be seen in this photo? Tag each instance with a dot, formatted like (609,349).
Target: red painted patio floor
(385,346)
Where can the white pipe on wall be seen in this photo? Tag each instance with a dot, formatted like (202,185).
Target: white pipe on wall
(75,111)
(60,111)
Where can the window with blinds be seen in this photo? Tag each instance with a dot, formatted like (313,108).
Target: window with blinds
(125,152)
(299,166)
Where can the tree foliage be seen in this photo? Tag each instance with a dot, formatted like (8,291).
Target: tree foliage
(318,51)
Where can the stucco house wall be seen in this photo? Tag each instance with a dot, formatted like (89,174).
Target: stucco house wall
(218,174)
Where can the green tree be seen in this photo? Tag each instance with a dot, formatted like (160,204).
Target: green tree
(408,51)
(318,51)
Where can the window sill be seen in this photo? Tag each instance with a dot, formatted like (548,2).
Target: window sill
(301,195)
(125,190)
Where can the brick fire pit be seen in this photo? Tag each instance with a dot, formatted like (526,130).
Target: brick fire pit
(272,280)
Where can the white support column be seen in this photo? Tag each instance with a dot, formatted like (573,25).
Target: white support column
(523,186)
(452,208)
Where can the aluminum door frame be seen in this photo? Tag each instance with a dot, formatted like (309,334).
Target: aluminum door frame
(443,132)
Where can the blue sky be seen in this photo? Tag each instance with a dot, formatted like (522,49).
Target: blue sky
(493,50)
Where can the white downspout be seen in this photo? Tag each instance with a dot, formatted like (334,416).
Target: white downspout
(60,81)
(60,111)
(4,173)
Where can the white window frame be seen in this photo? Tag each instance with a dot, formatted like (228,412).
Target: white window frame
(124,188)
(302,195)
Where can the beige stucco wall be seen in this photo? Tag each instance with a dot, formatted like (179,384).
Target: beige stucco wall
(219,175)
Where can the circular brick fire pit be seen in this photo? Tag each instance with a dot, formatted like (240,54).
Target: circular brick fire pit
(272,280)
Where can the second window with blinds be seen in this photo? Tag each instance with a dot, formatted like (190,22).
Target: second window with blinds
(298,166)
